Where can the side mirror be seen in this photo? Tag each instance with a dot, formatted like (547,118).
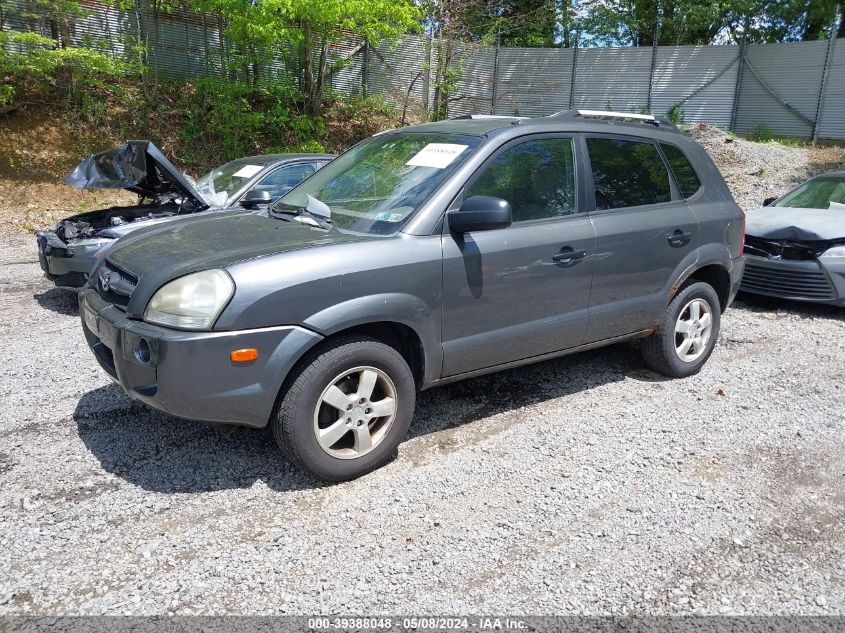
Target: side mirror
(480,213)
(255,197)
(769,201)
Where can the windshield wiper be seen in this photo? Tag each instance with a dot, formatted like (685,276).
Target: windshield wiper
(308,211)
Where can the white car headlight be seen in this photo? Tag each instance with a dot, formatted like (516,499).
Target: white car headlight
(192,302)
(837,252)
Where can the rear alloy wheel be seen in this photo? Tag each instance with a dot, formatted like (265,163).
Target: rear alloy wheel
(687,332)
(345,412)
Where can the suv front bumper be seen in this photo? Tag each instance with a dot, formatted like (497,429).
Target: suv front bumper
(189,374)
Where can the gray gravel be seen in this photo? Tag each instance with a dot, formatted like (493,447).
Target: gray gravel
(583,485)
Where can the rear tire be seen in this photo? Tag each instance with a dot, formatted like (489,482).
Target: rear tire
(687,332)
(347,410)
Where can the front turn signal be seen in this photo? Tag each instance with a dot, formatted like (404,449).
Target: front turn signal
(244,355)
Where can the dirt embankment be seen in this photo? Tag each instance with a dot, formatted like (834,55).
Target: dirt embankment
(40,147)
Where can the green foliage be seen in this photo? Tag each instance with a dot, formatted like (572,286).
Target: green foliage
(676,114)
(32,65)
(238,119)
(763,134)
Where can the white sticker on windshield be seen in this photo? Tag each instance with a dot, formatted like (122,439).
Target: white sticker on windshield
(437,155)
(247,171)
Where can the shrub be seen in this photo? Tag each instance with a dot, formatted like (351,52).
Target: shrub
(763,133)
(676,114)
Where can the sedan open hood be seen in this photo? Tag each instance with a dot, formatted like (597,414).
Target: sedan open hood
(138,166)
(787,223)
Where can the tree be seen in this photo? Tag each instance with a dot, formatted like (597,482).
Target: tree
(639,22)
(260,29)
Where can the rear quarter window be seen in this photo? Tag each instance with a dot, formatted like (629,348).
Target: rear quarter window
(685,176)
(627,173)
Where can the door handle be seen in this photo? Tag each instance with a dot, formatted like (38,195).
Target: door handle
(679,238)
(567,256)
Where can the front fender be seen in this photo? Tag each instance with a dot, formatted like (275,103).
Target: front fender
(390,307)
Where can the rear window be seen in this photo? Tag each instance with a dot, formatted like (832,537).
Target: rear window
(627,173)
(685,176)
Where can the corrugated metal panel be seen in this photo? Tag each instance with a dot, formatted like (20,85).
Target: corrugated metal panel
(533,81)
(832,124)
(702,79)
(396,67)
(473,93)
(615,78)
(794,71)
(349,78)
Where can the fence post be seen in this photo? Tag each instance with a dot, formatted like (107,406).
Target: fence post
(653,58)
(828,60)
(495,73)
(574,69)
(738,87)
(426,86)
(365,68)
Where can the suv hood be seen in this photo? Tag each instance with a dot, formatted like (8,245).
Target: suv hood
(138,166)
(160,253)
(788,223)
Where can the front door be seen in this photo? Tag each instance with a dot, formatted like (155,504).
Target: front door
(521,291)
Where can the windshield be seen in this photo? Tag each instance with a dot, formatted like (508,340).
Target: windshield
(819,193)
(221,182)
(376,186)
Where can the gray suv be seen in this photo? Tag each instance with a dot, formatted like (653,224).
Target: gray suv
(419,257)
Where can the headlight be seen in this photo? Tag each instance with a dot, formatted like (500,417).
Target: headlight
(84,248)
(192,302)
(837,252)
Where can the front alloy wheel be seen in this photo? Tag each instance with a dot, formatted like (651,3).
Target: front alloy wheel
(345,408)
(355,412)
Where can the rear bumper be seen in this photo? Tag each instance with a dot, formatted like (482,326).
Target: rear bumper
(809,281)
(189,374)
(737,270)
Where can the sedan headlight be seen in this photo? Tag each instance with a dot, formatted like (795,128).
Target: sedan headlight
(192,302)
(835,253)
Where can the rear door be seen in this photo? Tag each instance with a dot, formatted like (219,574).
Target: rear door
(521,291)
(644,232)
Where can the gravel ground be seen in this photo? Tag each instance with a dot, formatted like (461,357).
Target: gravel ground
(584,485)
(755,171)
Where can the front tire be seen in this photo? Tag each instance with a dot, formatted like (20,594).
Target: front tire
(347,410)
(687,332)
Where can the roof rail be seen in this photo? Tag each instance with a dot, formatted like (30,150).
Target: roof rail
(630,117)
(484,116)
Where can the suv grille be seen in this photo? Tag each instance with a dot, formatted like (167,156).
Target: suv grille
(786,282)
(114,284)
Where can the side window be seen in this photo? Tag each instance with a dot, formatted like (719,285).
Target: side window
(284,179)
(685,176)
(627,173)
(536,177)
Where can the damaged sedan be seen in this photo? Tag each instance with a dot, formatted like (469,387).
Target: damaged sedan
(70,250)
(795,245)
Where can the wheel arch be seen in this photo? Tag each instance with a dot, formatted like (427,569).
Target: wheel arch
(402,321)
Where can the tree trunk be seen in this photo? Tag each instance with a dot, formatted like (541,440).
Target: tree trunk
(315,98)
(307,66)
